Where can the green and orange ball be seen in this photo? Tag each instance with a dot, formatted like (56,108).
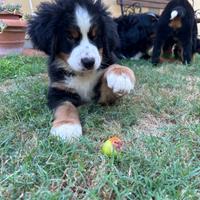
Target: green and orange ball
(112,147)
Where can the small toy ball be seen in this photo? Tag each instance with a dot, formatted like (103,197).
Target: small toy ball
(112,147)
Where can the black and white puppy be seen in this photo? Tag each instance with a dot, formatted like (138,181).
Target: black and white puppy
(136,33)
(80,37)
(178,23)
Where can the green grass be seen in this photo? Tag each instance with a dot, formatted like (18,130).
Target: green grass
(159,124)
(13,67)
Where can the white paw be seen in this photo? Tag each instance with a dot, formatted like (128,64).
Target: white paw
(120,84)
(68,132)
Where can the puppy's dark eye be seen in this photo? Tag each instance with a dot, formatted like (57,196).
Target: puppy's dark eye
(73,34)
(93,33)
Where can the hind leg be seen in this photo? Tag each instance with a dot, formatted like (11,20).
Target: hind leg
(187,52)
(186,41)
(161,37)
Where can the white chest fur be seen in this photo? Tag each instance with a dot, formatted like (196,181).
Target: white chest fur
(84,84)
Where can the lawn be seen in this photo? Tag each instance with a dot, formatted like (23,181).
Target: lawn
(159,124)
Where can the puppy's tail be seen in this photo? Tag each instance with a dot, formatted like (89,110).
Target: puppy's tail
(178,11)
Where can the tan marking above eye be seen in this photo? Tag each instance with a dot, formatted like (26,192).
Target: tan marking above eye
(74,33)
(93,31)
(101,52)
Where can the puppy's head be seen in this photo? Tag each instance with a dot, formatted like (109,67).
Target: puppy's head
(80,32)
(150,22)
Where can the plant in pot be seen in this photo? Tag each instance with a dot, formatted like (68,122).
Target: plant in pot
(12,29)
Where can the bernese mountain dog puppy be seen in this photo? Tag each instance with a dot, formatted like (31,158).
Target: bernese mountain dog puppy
(136,32)
(79,36)
(178,22)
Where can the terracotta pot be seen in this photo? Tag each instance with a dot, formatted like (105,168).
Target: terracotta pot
(13,36)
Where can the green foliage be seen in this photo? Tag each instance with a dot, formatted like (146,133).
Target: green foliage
(11,8)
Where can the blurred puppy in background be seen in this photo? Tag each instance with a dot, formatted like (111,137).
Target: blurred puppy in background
(136,33)
(177,25)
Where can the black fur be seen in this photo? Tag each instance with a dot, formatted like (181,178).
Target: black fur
(48,30)
(56,97)
(173,49)
(136,34)
(198,46)
(186,35)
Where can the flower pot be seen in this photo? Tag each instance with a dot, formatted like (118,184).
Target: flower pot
(13,36)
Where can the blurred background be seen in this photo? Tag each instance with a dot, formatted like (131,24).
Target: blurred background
(29,6)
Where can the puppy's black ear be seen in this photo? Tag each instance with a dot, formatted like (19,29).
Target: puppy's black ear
(110,40)
(41,28)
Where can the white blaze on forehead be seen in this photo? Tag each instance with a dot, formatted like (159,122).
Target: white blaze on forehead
(83,20)
(174,14)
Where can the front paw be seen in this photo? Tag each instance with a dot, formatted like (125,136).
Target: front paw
(120,80)
(68,131)
(186,62)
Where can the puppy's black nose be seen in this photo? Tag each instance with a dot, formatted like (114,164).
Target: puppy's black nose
(88,63)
